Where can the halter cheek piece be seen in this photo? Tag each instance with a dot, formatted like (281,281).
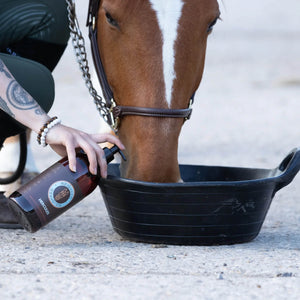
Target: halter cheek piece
(117,112)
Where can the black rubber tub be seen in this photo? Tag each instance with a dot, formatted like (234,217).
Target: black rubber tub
(214,205)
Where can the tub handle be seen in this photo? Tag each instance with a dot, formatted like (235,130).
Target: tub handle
(289,167)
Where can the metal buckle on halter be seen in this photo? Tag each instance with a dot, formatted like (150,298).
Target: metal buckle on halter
(190,107)
(94,23)
(115,121)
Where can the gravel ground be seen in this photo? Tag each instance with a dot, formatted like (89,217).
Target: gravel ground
(246,114)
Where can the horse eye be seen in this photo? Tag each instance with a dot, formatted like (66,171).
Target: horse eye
(211,25)
(111,20)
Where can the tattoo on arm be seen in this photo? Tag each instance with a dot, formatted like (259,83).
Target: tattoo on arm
(39,111)
(19,98)
(4,106)
(3,70)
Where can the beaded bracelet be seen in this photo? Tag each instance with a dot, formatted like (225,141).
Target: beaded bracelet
(41,138)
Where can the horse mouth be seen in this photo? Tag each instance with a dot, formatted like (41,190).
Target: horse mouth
(154,175)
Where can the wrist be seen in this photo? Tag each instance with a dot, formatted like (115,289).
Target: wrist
(42,135)
(40,123)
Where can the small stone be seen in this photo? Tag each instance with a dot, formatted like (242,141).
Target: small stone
(286,274)
(159,246)
(21,261)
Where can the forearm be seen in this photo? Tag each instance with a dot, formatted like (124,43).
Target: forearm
(18,103)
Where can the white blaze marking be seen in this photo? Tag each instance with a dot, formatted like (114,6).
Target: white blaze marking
(168,14)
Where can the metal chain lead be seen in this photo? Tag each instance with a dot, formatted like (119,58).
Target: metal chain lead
(81,57)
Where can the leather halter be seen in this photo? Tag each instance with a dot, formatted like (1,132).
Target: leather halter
(117,112)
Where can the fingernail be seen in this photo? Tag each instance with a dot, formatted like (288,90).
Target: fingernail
(95,171)
(73,169)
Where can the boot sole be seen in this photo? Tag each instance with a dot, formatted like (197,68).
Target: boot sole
(10,226)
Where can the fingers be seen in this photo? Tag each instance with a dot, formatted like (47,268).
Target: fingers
(94,153)
(96,157)
(92,150)
(71,156)
(103,164)
(63,136)
(107,137)
(101,138)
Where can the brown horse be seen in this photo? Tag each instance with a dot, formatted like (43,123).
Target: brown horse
(153,53)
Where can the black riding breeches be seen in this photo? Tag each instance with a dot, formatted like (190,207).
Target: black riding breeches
(33,37)
(34,29)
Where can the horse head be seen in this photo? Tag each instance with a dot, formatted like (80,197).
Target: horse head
(153,53)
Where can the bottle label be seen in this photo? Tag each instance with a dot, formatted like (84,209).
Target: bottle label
(52,192)
(61,193)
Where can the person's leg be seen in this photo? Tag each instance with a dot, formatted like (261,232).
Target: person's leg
(34,29)
(38,81)
(38,30)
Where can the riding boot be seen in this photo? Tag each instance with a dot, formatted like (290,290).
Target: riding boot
(7,218)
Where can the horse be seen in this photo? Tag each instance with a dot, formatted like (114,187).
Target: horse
(152,55)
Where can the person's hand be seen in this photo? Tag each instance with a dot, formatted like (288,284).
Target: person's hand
(65,140)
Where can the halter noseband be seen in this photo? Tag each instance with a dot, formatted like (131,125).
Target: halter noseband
(117,112)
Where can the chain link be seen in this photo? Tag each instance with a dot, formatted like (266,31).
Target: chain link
(81,57)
